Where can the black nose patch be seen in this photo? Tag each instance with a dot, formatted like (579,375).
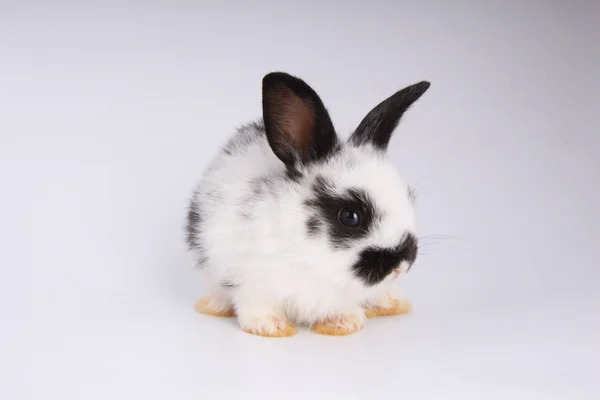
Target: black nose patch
(375,263)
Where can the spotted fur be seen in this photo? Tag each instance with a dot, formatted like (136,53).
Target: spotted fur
(263,221)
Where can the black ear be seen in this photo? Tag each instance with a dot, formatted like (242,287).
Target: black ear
(297,124)
(379,124)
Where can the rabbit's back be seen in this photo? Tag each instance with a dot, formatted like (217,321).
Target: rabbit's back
(227,193)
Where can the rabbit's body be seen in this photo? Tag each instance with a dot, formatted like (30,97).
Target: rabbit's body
(271,223)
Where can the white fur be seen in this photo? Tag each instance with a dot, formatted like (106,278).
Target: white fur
(278,270)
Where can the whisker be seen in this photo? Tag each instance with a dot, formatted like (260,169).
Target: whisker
(438,237)
(416,192)
(298,211)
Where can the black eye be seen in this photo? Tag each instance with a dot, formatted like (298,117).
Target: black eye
(350,218)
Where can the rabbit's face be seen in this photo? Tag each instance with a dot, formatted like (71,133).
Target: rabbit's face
(360,206)
(357,203)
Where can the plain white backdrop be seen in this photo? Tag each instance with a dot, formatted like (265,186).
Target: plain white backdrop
(109,113)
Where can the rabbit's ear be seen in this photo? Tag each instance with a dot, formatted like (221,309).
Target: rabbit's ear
(377,127)
(297,124)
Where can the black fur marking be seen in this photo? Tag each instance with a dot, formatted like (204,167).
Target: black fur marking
(293,174)
(245,136)
(193,228)
(379,124)
(326,205)
(289,157)
(260,187)
(313,226)
(194,219)
(375,263)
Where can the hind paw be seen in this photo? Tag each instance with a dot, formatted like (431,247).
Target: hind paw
(388,306)
(215,306)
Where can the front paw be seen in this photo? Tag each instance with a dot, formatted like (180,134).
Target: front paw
(268,326)
(345,324)
(388,306)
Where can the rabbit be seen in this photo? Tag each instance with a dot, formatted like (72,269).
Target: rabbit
(293,225)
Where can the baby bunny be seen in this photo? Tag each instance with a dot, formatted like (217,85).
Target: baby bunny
(293,225)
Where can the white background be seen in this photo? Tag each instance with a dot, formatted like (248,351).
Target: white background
(108,115)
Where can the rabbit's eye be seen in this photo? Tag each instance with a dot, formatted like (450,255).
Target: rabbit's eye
(350,218)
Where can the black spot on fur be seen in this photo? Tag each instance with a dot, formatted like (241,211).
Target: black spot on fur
(245,136)
(193,228)
(260,188)
(326,205)
(194,219)
(293,174)
(375,263)
(313,226)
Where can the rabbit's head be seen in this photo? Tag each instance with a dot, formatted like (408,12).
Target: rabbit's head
(354,201)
